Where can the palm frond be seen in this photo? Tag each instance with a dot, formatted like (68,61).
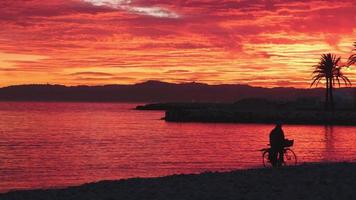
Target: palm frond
(316,80)
(351,60)
(338,81)
(328,68)
(346,80)
(317,76)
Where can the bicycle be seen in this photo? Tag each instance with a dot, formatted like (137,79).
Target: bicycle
(289,157)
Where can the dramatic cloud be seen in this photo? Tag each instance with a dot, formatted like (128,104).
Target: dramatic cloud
(263,43)
(126,5)
(111,3)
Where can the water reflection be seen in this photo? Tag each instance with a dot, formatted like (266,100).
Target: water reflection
(329,151)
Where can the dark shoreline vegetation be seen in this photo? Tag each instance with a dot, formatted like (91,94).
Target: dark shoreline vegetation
(302,111)
(307,181)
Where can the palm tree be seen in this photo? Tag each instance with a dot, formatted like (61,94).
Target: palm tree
(329,69)
(352,58)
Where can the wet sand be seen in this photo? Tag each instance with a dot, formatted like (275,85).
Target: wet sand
(308,181)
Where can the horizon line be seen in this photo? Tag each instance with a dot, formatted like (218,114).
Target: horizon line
(165,82)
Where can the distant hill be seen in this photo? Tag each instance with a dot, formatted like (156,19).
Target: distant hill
(155,91)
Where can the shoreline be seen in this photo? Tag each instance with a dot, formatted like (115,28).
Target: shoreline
(306,181)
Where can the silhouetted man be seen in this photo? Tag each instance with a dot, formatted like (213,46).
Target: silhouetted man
(276,139)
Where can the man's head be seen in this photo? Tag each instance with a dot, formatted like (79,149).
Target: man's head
(278,125)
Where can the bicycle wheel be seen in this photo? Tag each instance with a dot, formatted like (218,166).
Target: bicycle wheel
(265,159)
(290,159)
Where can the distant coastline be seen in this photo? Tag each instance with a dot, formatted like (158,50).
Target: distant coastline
(155,91)
(308,181)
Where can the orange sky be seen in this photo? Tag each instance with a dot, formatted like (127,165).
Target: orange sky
(95,42)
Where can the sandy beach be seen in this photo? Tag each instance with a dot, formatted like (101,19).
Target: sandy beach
(307,181)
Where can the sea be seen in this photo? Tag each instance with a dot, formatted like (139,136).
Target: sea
(56,145)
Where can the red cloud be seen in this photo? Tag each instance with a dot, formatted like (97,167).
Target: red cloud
(215,41)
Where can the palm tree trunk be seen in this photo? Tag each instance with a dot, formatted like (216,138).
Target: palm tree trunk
(332,106)
(327,95)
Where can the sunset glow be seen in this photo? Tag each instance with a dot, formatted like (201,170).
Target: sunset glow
(96,42)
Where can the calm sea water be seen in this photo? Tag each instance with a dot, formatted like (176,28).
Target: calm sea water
(44,145)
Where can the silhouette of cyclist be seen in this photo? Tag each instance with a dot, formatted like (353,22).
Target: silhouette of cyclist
(276,139)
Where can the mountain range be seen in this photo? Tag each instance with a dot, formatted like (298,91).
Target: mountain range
(156,91)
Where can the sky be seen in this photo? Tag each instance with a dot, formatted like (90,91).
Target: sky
(269,43)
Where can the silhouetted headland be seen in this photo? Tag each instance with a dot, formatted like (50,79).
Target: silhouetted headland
(309,181)
(257,110)
(267,117)
(181,106)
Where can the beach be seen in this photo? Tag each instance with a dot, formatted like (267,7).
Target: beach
(307,181)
